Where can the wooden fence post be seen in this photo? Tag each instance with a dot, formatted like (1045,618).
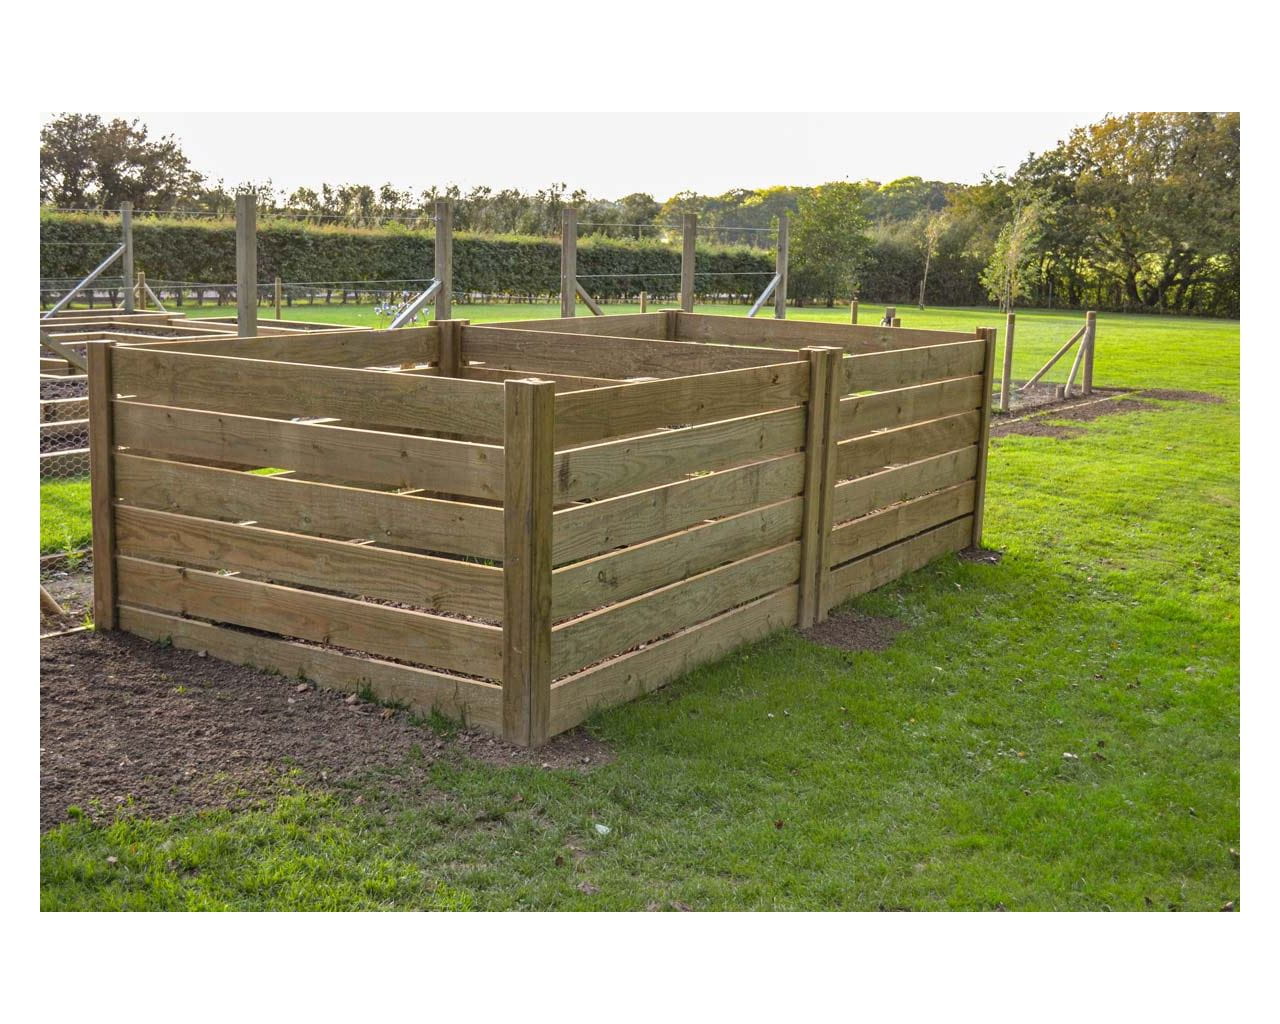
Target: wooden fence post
(644,302)
(780,268)
(141,286)
(246,265)
(568,263)
(450,338)
(1008,363)
(688,255)
(126,264)
(897,322)
(279,296)
(1078,361)
(889,313)
(102,484)
(444,258)
(1090,336)
(526,562)
(984,433)
(825,384)
(853,311)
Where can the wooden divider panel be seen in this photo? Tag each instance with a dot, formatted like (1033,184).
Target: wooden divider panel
(355,347)
(766,332)
(885,410)
(899,522)
(886,565)
(867,454)
(886,371)
(622,325)
(901,483)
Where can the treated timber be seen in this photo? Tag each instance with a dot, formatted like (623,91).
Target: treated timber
(352,347)
(798,334)
(564,382)
(984,440)
(886,371)
(886,565)
(423,581)
(102,485)
(418,637)
(474,702)
(819,454)
(652,326)
(901,483)
(872,452)
(339,453)
(898,522)
(283,503)
(887,410)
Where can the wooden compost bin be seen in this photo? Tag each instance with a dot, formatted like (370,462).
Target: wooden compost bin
(518,524)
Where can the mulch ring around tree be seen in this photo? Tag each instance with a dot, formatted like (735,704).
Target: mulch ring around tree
(854,631)
(129,726)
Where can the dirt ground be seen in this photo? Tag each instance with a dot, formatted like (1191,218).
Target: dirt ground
(127,725)
(854,631)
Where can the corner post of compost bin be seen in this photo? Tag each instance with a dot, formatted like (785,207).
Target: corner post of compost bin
(988,334)
(825,385)
(1008,363)
(688,257)
(526,562)
(444,258)
(1090,336)
(449,340)
(780,268)
(246,265)
(102,484)
(126,264)
(568,262)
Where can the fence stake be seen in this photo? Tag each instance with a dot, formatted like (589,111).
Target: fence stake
(279,295)
(443,271)
(526,562)
(102,485)
(246,265)
(644,302)
(142,291)
(853,311)
(687,256)
(1076,362)
(825,385)
(889,313)
(126,265)
(897,322)
(450,359)
(780,268)
(1008,363)
(984,433)
(1090,337)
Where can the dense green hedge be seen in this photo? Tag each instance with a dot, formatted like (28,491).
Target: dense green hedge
(202,252)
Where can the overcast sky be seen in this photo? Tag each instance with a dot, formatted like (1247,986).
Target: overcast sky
(609,155)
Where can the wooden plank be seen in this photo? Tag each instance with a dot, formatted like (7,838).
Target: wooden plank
(886,371)
(855,339)
(246,265)
(279,389)
(901,483)
(599,356)
(102,484)
(458,644)
(55,367)
(348,347)
(564,382)
(639,672)
(984,439)
(339,453)
(568,262)
(883,410)
(586,530)
(781,266)
(619,627)
(442,267)
(898,522)
(637,463)
(527,504)
(872,452)
(424,581)
(475,703)
(887,565)
(616,576)
(819,441)
(635,408)
(619,325)
(283,503)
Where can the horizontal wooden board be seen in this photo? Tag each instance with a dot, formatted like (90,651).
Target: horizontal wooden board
(586,530)
(340,453)
(767,332)
(901,483)
(636,463)
(619,325)
(886,371)
(473,648)
(886,565)
(284,503)
(634,674)
(258,387)
(593,355)
(701,398)
(616,576)
(890,409)
(563,382)
(898,522)
(873,452)
(351,347)
(424,581)
(619,627)
(475,703)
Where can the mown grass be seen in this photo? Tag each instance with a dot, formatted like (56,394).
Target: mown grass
(65,522)
(791,776)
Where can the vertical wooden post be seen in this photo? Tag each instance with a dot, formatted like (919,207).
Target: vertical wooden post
(450,338)
(526,562)
(279,296)
(853,311)
(246,265)
(889,313)
(780,267)
(568,262)
(825,384)
(142,290)
(126,266)
(1078,361)
(1008,363)
(444,258)
(644,302)
(984,433)
(897,322)
(1090,336)
(102,484)
(688,255)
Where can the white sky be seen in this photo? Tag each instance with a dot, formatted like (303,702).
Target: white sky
(609,155)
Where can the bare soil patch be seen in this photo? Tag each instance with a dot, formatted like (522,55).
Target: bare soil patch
(980,556)
(854,631)
(127,726)
(1096,410)
(1034,428)
(1173,395)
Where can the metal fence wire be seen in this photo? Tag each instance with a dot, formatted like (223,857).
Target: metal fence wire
(66,556)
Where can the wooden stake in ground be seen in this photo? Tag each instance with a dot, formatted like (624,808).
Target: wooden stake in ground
(102,484)
(644,302)
(853,311)
(444,258)
(126,263)
(825,383)
(780,292)
(1008,363)
(1090,337)
(984,433)
(246,265)
(279,295)
(688,255)
(568,262)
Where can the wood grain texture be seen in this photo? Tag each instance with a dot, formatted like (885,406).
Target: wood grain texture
(865,574)
(901,483)
(885,410)
(619,325)
(798,334)
(101,483)
(984,438)
(898,522)
(887,371)
(352,347)
(873,452)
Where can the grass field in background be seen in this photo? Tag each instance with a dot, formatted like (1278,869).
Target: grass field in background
(932,776)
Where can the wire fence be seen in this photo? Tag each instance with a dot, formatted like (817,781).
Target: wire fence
(66,558)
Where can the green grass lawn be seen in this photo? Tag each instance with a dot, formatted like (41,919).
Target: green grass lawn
(65,523)
(791,776)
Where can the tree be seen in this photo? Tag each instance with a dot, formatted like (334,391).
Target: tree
(829,241)
(85,161)
(1007,274)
